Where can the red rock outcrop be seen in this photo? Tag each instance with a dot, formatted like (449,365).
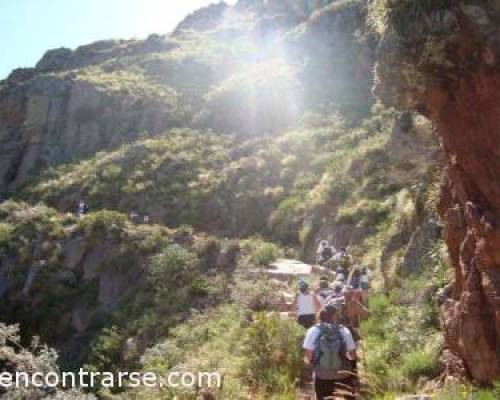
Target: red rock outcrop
(445,63)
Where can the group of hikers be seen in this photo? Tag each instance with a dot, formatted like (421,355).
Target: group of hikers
(82,209)
(332,314)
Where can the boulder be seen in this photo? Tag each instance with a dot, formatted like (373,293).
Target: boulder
(54,60)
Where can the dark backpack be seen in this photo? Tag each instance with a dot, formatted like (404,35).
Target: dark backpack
(329,361)
(327,253)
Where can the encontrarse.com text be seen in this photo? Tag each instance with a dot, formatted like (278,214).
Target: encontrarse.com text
(86,379)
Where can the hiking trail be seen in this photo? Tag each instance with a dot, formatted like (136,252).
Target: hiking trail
(287,271)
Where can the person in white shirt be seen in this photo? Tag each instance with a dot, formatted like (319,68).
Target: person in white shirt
(326,382)
(306,305)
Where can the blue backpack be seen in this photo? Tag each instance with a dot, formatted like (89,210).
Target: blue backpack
(328,360)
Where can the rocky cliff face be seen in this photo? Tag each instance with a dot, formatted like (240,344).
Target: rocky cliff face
(443,60)
(49,115)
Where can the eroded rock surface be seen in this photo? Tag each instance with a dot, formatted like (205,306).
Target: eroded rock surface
(445,63)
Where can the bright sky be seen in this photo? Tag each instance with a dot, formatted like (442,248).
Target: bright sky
(30,27)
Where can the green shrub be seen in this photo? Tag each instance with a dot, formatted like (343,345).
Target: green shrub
(100,224)
(459,391)
(6,231)
(106,351)
(273,353)
(260,252)
(420,363)
(400,348)
(171,274)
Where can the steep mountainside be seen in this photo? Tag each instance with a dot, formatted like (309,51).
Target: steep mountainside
(100,96)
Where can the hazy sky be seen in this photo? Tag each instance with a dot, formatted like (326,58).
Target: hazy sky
(30,27)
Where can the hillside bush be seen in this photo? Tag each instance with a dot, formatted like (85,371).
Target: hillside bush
(5,237)
(260,252)
(273,353)
(100,224)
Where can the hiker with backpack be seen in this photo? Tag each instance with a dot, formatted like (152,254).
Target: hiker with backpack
(324,290)
(341,274)
(365,282)
(355,297)
(354,281)
(306,305)
(343,259)
(324,253)
(330,349)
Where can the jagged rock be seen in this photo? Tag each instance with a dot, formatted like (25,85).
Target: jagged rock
(49,120)
(54,60)
(20,75)
(444,64)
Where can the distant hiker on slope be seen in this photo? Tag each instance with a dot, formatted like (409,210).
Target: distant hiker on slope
(354,297)
(342,259)
(307,305)
(330,349)
(354,281)
(324,253)
(337,299)
(365,279)
(81,209)
(341,274)
(324,290)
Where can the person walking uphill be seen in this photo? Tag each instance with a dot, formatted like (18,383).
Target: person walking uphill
(306,305)
(330,349)
(324,253)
